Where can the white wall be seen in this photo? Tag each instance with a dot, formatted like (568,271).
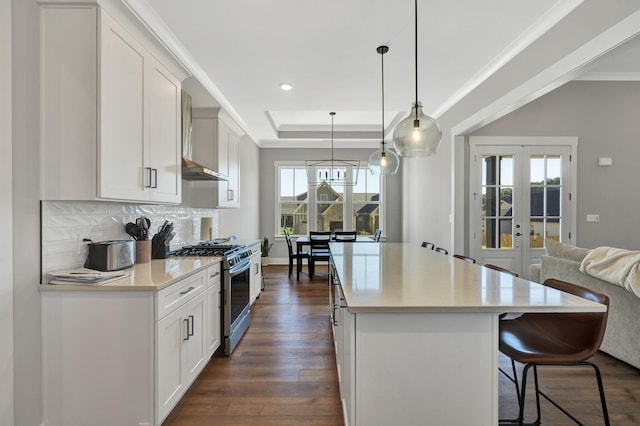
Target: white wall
(6,218)
(604,116)
(393,190)
(26,217)
(244,222)
(434,187)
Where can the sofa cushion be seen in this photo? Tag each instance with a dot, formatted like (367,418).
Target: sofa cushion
(565,251)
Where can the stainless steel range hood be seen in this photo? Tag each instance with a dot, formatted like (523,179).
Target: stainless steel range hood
(190,169)
(194,171)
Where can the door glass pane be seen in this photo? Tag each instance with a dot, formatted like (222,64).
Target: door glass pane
(506,233)
(506,170)
(537,169)
(536,234)
(553,229)
(489,233)
(554,168)
(553,202)
(489,201)
(506,195)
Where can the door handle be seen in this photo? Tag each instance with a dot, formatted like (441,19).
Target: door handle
(149,169)
(192,326)
(518,234)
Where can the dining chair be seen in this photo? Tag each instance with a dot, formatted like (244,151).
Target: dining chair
(554,339)
(297,255)
(465,258)
(345,236)
(319,242)
(428,246)
(441,250)
(500,269)
(377,235)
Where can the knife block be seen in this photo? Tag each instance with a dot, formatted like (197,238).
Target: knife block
(159,250)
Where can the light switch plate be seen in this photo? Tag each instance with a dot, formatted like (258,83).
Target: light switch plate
(605,161)
(593,218)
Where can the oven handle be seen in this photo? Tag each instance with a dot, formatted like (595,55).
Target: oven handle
(239,268)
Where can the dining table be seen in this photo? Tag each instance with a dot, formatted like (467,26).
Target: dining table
(305,240)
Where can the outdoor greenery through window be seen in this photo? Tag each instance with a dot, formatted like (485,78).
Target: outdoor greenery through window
(331,207)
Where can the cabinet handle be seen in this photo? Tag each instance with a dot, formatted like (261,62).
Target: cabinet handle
(214,275)
(333,314)
(187,320)
(155,178)
(229,194)
(149,170)
(192,326)
(190,289)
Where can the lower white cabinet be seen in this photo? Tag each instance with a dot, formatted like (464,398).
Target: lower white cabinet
(126,357)
(214,306)
(255,277)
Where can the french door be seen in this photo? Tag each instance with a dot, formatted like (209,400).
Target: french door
(521,191)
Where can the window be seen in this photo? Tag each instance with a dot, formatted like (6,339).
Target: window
(366,203)
(293,200)
(330,207)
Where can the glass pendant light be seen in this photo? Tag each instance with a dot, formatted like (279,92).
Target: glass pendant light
(418,135)
(383,162)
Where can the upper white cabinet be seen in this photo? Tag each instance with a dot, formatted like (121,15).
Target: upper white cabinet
(216,144)
(110,112)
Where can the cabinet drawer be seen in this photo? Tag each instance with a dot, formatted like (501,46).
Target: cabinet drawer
(213,275)
(179,293)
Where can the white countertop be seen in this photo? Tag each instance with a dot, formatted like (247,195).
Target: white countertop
(153,276)
(399,277)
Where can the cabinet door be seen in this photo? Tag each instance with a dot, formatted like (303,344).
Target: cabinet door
(233,193)
(121,150)
(170,372)
(255,279)
(223,163)
(195,344)
(163,126)
(213,318)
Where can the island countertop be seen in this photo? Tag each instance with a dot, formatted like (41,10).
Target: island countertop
(152,276)
(402,277)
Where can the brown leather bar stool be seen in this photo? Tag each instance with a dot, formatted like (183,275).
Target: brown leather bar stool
(465,258)
(428,245)
(554,339)
(500,269)
(441,250)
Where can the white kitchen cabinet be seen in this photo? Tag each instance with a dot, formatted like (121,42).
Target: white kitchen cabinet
(216,144)
(214,305)
(255,277)
(110,112)
(126,357)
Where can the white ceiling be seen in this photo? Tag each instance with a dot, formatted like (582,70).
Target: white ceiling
(244,50)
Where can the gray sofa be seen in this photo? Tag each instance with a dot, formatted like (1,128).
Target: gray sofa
(622,337)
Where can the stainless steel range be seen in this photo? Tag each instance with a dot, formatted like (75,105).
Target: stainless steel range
(236,262)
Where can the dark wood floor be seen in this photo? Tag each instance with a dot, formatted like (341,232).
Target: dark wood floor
(283,372)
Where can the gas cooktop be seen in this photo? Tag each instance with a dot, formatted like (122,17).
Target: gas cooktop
(221,247)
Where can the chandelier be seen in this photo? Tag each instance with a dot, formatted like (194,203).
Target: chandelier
(333,171)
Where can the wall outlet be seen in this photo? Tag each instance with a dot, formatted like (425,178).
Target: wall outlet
(593,218)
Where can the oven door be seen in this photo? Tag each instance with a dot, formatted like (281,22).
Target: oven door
(236,304)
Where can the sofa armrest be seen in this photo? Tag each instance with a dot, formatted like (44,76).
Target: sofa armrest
(534,272)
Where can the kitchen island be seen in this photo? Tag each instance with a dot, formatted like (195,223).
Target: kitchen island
(416,333)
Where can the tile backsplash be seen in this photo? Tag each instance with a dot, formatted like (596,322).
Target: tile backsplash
(66,223)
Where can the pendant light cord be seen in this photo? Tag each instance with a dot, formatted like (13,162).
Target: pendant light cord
(382,54)
(416,53)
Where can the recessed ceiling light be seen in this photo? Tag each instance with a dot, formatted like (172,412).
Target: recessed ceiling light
(286,87)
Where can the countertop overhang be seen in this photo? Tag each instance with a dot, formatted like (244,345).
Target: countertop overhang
(402,277)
